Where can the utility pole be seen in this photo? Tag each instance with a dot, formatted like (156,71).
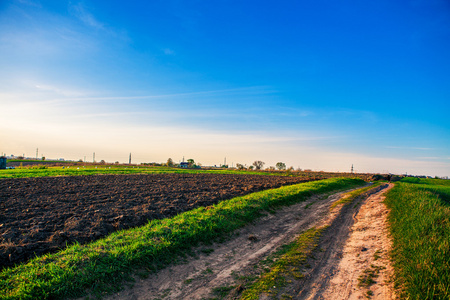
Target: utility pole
(225,161)
(93,157)
(129,159)
(352,168)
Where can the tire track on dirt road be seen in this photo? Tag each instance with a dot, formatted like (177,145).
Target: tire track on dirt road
(218,264)
(353,247)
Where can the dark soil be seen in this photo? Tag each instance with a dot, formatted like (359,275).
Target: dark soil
(42,215)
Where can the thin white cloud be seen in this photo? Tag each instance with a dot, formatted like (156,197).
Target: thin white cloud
(39,34)
(107,115)
(168,51)
(284,111)
(60,91)
(410,148)
(81,13)
(76,96)
(30,3)
(85,16)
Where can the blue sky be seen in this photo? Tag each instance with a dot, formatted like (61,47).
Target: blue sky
(316,84)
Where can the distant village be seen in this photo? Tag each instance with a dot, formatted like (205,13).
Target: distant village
(22,160)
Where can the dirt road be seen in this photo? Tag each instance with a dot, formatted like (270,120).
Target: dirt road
(355,263)
(349,247)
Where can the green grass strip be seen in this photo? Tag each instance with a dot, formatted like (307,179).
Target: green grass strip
(350,196)
(78,170)
(47,171)
(102,266)
(288,267)
(420,227)
(426,181)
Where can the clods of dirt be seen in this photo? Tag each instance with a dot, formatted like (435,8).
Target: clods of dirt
(252,238)
(42,215)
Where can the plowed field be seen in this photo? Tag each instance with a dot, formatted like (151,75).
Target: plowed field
(41,215)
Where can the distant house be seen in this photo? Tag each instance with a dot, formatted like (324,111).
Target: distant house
(3,162)
(184,165)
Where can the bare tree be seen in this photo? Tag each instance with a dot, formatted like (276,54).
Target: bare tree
(258,164)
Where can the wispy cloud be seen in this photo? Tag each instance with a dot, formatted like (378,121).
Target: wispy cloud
(73,95)
(85,16)
(294,112)
(168,51)
(410,148)
(59,91)
(30,3)
(38,33)
(88,19)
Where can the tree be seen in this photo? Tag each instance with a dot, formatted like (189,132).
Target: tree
(169,162)
(191,163)
(258,164)
(281,166)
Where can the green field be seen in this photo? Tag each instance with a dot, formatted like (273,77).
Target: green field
(89,169)
(44,171)
(420,227)
(103,266)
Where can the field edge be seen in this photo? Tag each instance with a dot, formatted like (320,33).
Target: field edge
(101,267)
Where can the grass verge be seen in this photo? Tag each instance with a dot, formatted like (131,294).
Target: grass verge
(420,227)
(102,266)
(286,268)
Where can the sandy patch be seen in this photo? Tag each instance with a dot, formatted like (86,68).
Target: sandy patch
(364,270)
